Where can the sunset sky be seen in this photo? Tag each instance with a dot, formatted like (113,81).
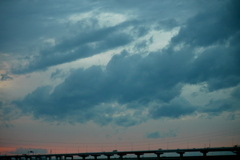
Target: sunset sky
(83,76)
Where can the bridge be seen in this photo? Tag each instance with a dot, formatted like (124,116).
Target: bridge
(158,153)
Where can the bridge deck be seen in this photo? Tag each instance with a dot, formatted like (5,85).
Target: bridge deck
(138,154)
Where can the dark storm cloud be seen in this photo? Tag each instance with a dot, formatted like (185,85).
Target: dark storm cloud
(217,107)
(126,80)
(81,46)
(26,25)
(23,23)
(218,29)
(152,83)
(229,104)
(236,93)
(175,109)
(218,66)
(212,27)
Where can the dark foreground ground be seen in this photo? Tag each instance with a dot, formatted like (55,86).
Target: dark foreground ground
(228,157)
(222,157)
(219,157)
(198,158)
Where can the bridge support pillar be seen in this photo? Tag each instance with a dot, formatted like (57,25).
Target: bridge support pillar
(71,157)
(204,154)
(65,157)
(83,156)
(181,154)
(58,157)
(158,155)
(121,156)
(95,156)
(108,156)
(138,155)
(237,153)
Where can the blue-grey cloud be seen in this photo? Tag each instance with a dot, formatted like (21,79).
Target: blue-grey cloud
(217,66)
(125,80)
(214,26)
(57,74)
(155,135)
(213,30)
(7,114)
(77,47)
(23,24)
(228,104)
(5,77)
(73,40)
(204,51)
(236,93)
(216,107)
(174,109)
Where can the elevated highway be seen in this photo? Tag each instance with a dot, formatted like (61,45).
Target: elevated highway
(158,153)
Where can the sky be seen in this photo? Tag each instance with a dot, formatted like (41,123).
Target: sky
(88,76)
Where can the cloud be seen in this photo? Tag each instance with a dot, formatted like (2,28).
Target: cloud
(218,66)
(85,44)
(153,135)
(132,78)
(33,24)
(78,32)
(175,109)
(213,26)
(125,80)
(156,135)
(5,77)
(216,107)
(217,62)
(236,93)
(230,104)
(57,74)
(7,114)
(133,88)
